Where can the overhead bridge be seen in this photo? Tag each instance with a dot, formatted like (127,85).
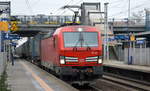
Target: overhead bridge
(30,25)
(131,28)
(28,30)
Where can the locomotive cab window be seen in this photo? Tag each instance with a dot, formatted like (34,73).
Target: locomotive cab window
(80,39)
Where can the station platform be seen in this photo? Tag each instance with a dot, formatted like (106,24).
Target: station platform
(122,65)
(24,76)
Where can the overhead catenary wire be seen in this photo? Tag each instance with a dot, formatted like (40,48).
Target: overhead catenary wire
(133,8)
(64,11)
(29,7)
(122,12)
(117,4)
(36,3)
(58,13)
(78,2)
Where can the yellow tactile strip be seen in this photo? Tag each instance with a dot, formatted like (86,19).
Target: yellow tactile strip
(37,78)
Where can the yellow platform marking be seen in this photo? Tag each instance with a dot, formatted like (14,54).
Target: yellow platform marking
(37,78)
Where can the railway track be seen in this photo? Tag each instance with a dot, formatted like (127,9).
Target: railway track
(86,88)
(109,83)
(95,88)
(80,88)
(128,83)
(113,82)
(127,78)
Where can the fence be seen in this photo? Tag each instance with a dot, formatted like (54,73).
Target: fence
(2,61)
(43,19)
(138,56)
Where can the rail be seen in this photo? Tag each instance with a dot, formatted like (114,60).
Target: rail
(135,84)
(117,83)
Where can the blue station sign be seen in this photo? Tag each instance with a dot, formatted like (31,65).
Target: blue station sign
(13,44)
(11,36)
(140,42)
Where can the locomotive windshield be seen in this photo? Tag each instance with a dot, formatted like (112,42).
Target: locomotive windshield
(80,39)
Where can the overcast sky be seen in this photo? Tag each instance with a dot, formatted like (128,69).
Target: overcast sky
(117,8)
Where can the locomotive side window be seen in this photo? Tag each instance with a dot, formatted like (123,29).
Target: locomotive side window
(78,39)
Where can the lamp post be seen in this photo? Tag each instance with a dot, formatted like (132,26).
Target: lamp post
(106,47)
(128,22)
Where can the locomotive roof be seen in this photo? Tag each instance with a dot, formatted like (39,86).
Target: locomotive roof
(70,28)
(74,28)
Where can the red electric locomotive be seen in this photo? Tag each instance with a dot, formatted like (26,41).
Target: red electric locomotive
(73,52)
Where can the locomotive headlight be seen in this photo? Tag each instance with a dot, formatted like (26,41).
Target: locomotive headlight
(62,60)
(99,61)
(80,29)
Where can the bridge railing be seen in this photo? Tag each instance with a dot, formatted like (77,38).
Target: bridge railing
(125,22)
(43,19)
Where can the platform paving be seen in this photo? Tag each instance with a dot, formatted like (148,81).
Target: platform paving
(121,64)
(24,76)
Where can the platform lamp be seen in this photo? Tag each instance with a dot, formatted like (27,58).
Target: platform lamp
(106,46)
(1,12)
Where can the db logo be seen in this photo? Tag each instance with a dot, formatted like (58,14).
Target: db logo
(81,60)
(94,53)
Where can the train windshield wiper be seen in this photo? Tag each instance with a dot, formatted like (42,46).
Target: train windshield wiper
(85,42)
(81,41)
(88,47)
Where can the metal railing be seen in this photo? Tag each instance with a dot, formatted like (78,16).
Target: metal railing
(42,19)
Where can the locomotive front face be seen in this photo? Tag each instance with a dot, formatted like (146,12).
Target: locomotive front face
(81,48)
(75,52)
